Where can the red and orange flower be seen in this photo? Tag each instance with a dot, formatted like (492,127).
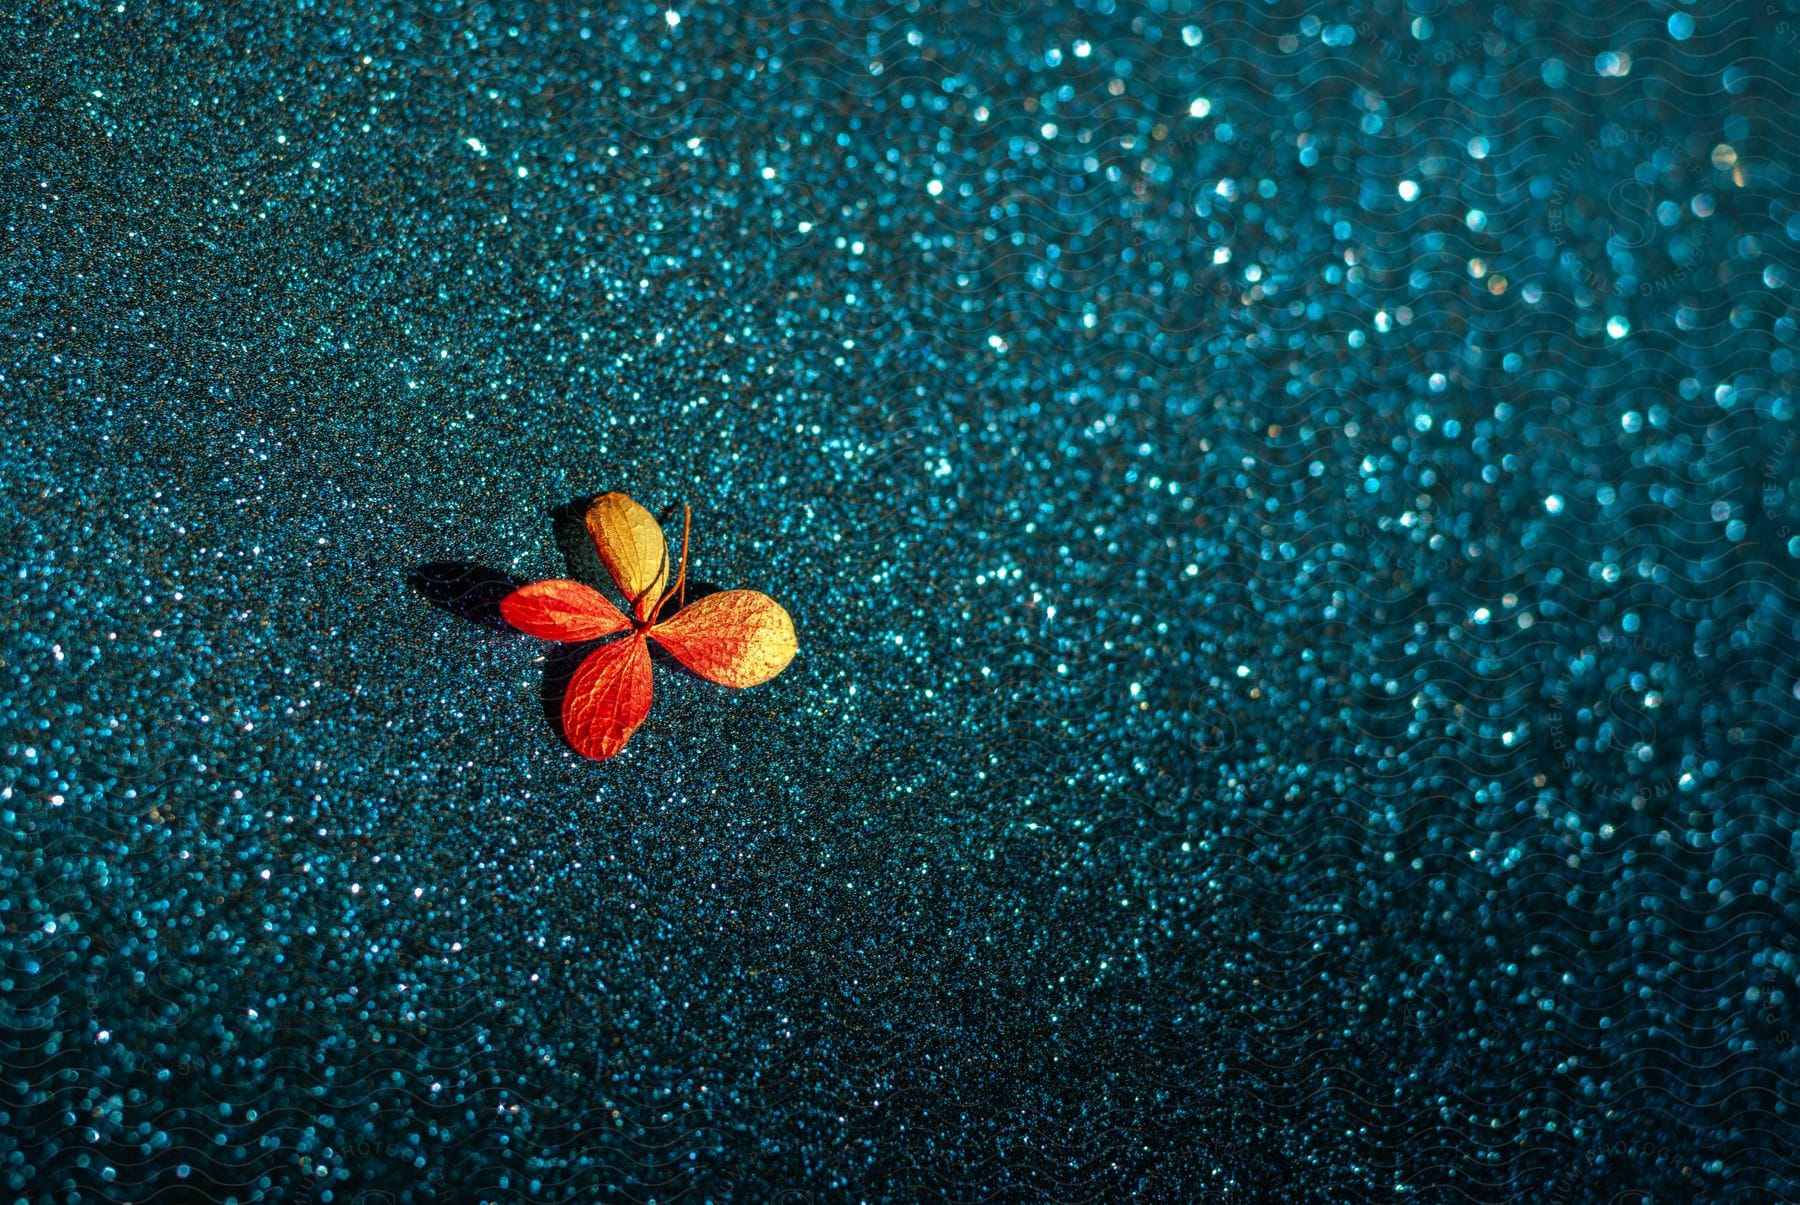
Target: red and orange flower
(734,637)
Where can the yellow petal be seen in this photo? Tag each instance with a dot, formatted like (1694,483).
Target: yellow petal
(631,547)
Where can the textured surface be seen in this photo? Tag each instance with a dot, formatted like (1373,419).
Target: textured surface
(1290,515)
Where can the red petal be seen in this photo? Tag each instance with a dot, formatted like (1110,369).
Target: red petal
(608,697)
(734,637)
(562,610)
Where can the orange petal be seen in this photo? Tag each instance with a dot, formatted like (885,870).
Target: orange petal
(562,610)
(631,547)
(608,697)
(735,637)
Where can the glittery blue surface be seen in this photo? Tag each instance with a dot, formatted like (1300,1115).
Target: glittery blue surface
(1290,515)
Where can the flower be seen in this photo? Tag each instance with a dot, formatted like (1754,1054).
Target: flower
(736,638)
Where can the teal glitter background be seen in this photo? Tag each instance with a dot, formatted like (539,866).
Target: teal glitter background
(1289,514)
